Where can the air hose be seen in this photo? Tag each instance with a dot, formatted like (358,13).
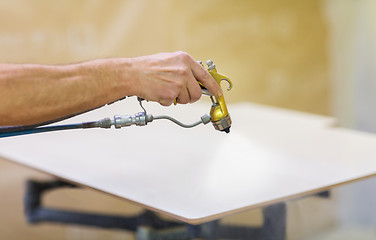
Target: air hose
(11,133)
(139,119)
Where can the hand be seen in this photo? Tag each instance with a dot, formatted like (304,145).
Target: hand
(165,77)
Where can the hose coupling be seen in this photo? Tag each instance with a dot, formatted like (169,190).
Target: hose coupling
(139,119)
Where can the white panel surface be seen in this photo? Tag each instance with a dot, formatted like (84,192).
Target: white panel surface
(200,174)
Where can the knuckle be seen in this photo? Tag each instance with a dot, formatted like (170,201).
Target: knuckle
(183,56)
(204,76)
(183,71)
(182,78)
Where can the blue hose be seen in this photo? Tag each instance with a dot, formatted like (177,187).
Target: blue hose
(11,133)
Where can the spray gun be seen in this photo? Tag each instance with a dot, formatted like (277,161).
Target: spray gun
(219,115)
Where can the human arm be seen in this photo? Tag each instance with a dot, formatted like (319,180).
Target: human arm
(32,93)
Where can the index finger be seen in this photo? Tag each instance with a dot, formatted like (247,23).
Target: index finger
(204,77)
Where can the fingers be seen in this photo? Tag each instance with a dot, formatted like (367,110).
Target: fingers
(189,90)
(186,95)
(194,90)
(183,97)
(165,77)
(203,76)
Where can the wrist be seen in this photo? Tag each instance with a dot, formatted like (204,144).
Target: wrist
(115,75)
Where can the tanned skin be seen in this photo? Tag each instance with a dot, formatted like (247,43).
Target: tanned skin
(33,93)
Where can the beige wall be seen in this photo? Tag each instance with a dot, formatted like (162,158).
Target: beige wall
(274,51)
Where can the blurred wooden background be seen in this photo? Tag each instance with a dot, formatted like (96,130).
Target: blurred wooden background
(275,52)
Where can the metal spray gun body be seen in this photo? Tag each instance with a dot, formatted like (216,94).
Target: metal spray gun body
(219,115)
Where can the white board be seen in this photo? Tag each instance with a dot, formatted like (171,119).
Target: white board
(197,175)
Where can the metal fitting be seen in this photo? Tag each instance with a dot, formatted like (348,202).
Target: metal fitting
(205,119)
(139,119)
(105,123)
(210,64)
(223,124)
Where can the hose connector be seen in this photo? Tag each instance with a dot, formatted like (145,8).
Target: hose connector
(139,119)
(142,119)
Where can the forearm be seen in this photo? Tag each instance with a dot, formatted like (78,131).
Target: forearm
(37,93)
(31,93)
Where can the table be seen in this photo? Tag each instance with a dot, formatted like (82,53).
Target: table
(198,175)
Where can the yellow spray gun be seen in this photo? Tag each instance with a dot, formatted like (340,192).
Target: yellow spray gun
(219,115)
